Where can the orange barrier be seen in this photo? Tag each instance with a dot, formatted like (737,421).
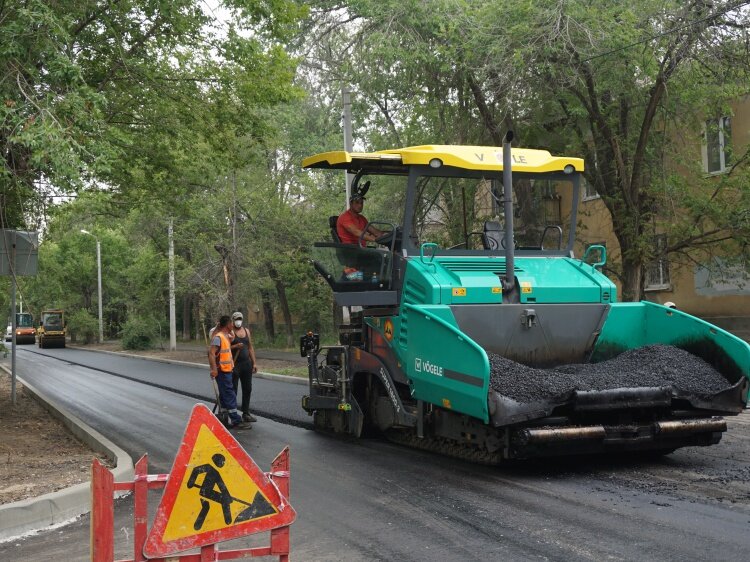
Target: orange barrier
(103,488)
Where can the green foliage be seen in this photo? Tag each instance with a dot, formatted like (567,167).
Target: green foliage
(82,325)
(616,83)
(141,95)
(140,332)
(156,102)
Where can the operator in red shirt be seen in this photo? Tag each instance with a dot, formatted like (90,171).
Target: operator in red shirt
(351,223)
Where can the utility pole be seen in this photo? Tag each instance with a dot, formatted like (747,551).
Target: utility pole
(13,323)
(99,288)
(346,98)
(172,315)
(234,254)
(98,281)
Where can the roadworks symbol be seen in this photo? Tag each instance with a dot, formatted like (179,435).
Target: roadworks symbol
(215,492)
(388,330)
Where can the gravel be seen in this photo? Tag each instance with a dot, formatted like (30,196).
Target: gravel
(650,366)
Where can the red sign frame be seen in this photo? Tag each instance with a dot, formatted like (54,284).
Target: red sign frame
(201,416)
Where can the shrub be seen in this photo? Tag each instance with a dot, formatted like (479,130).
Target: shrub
(139,333)
(82,325)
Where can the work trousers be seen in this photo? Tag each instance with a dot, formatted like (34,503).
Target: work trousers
(228,396)
(243,374)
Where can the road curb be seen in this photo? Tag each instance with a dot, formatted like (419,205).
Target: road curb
(259,374)
(34,514)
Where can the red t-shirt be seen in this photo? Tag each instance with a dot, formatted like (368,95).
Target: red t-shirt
(349,218)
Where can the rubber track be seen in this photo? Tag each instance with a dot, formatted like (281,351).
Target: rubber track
(205,398)
(445,447)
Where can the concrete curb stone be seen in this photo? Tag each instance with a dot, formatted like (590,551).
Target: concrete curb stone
(35,514)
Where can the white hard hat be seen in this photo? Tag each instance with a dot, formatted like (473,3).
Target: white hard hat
(670,304)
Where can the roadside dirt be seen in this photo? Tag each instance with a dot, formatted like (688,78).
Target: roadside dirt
(37,453)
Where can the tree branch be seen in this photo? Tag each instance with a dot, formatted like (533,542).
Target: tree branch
(493,128)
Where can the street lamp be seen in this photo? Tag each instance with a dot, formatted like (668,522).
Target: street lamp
(99,282)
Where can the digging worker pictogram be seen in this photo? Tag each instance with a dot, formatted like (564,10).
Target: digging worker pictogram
(211,489)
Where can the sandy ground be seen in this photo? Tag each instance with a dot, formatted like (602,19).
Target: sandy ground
(37,453)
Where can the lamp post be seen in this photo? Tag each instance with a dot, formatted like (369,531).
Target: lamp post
(99,281)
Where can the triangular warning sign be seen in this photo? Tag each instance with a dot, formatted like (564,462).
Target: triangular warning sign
(215,492)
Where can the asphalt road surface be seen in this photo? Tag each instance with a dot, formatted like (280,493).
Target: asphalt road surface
(270,398)
(372,500)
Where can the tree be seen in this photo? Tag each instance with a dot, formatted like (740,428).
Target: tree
(618,84)
(150,104)
(612,82)
(128,93)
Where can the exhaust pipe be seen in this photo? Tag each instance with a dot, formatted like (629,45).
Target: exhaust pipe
(510,277)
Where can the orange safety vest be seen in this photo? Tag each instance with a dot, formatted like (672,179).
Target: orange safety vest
(224,359)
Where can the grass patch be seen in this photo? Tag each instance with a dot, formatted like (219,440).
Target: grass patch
(292,371)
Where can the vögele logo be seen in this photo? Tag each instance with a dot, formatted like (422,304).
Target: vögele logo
(427,367)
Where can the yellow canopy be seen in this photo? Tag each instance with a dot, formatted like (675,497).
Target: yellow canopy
(480,158)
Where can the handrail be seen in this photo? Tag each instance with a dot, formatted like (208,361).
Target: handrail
(432,256)
(603,252)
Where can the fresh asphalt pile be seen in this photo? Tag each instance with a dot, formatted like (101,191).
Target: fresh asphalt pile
(650,366)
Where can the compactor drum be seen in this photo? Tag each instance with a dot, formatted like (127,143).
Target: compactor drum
(474,330)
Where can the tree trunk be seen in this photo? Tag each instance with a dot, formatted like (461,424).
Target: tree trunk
(199,333)
(229,279)
(186,307)
(265,297)
(632,280)
(281,292)
(228,269)
(87,299)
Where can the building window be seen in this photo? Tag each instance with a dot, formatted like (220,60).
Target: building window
(717,156)
(657,272)
(588,190)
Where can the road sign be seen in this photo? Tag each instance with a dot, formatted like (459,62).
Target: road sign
(18,252)
(215,492)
